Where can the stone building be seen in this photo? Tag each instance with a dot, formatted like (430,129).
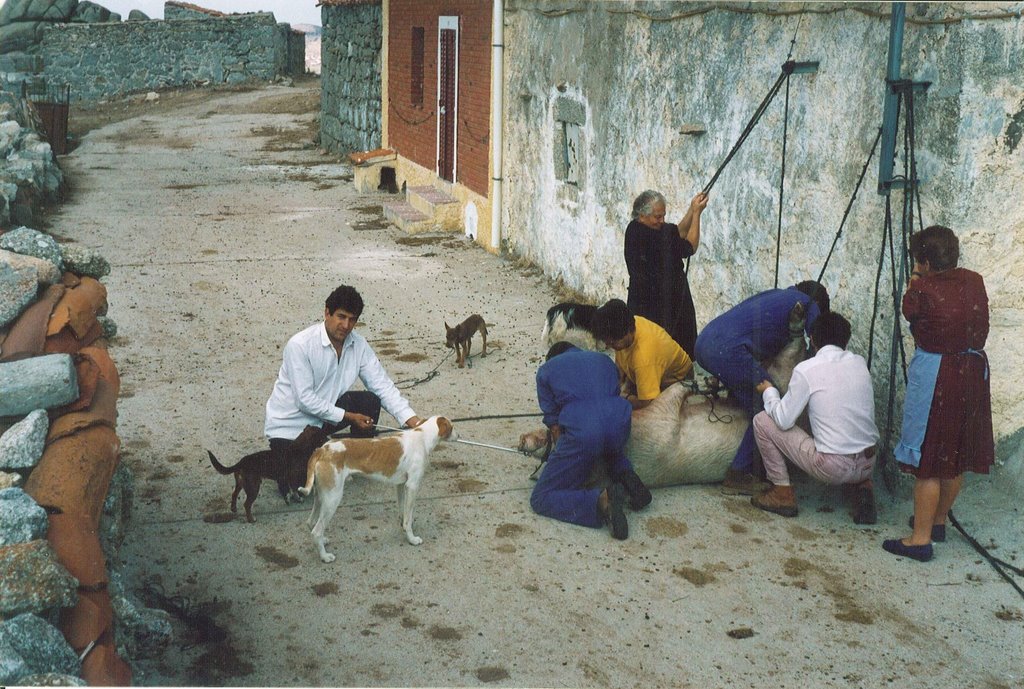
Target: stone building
(604,100)
(350,75)
(435,67)
(599,101)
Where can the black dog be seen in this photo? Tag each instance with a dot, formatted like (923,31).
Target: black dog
(252,469)
(570,322)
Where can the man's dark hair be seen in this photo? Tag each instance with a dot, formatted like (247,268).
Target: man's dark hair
(937,245)
(817,292)
(558,348)
(613,321)
(345,298)
(830,329)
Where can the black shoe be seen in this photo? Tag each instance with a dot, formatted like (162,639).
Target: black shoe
(639,496)
(938,530)
(615,517)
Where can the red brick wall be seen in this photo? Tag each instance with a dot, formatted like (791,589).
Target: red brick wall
(412,131)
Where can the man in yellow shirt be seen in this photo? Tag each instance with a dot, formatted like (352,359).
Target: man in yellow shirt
(647,356)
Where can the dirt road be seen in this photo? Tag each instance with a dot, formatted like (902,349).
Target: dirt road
(226,230)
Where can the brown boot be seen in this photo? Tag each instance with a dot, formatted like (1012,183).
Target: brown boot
(777,499)
(740,483)
(864,511)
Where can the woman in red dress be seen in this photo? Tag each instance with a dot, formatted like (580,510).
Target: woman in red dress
(947,426)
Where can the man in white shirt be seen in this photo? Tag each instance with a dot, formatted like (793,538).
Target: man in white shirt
(319,366)
(835,387)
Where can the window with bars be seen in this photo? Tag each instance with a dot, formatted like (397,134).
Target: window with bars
(416,61)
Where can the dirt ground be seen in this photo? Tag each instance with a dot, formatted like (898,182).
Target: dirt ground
(226,229)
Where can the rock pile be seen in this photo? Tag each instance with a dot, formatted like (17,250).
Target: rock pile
(29,174)
(65,615)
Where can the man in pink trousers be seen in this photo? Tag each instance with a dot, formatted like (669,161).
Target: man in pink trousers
(834,386)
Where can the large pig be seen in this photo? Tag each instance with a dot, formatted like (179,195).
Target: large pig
(688,437)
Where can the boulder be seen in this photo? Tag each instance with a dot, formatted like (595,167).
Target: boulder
(40,645)
(37,10)
(20,36)
(82,260)
(9,479)
(109,327)
(52,679)
(18,288)
(46,272)
(12,666)
(34,580)
(24,240)
(21,519)
(90,13)
(137,16)
(143,631)
(22,444)
(117,510)
(41,382)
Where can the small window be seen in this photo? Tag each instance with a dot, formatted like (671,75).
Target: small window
(570,116)
(416,60)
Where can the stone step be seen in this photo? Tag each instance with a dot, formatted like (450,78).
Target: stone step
(407,218)
(436,204)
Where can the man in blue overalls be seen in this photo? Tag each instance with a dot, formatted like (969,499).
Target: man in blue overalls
(578,392)
(732,347)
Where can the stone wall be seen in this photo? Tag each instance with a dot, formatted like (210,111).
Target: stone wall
(101,60)
(660,70)
(350,98)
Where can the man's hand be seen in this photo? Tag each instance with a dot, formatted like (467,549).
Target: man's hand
(360,421)
(413,422)
(699,202)
(556,432)
(763,385)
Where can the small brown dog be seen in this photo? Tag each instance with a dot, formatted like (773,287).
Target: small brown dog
(460,337)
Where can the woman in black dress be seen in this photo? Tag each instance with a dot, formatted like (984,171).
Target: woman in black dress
(655,254)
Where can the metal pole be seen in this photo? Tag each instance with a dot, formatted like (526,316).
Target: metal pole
(892,75)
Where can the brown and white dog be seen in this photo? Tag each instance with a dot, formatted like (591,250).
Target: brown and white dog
(399,460)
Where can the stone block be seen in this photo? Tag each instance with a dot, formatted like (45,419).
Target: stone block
(22,444)
(84,261)
(41,382)
(46,272)
(21,519)
(34,580)
(40,645)
(24,240)
(569,110)
(18,287)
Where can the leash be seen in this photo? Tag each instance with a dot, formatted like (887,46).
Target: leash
(459,440)
(413,382)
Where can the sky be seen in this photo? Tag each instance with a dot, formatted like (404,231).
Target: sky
(291,11)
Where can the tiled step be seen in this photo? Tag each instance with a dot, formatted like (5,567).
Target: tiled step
(407,218)
(436,204)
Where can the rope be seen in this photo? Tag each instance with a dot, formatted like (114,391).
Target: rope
(402,384)
(787,69)
(782,177)
(996,563)
(849,206)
